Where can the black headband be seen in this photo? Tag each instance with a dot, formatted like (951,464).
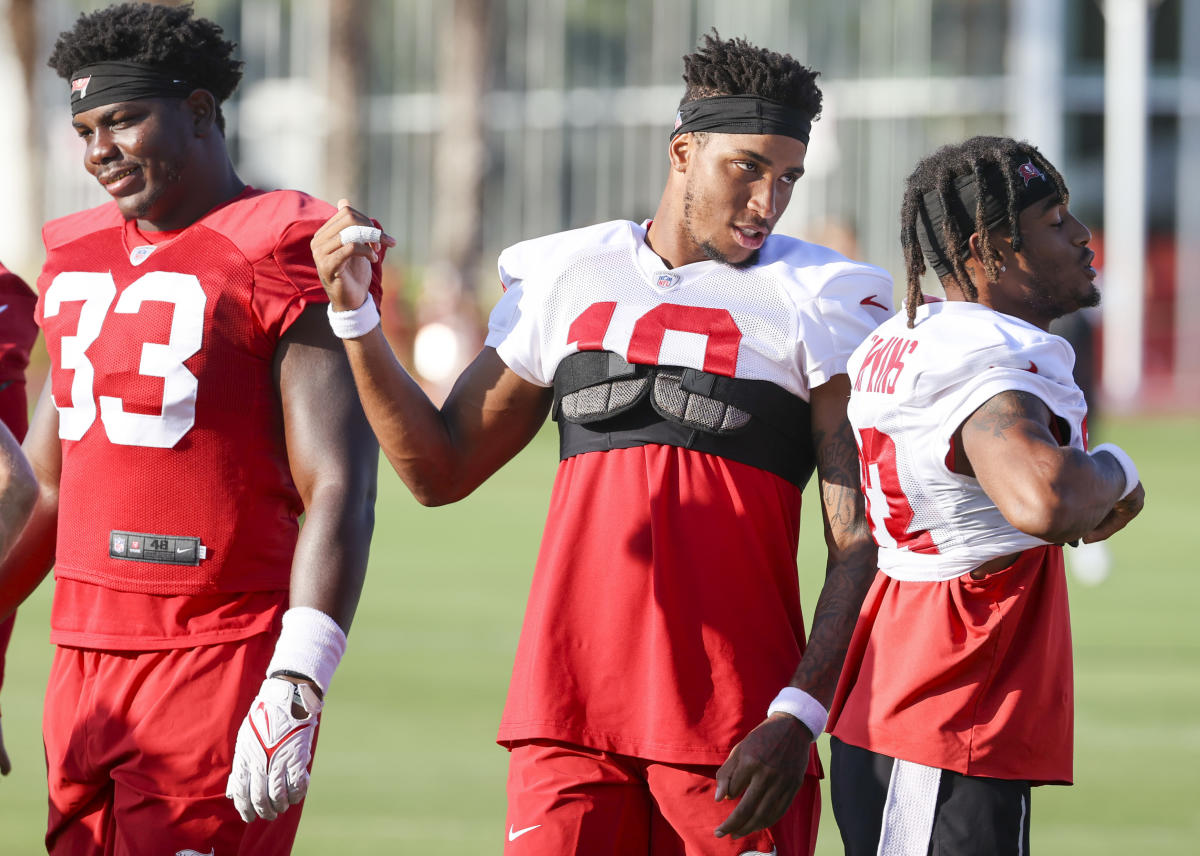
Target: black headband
(742,114)
(1032,186)
(109,82)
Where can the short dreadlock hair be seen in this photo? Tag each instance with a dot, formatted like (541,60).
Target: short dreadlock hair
(937,174)
(169,38)
(736,67)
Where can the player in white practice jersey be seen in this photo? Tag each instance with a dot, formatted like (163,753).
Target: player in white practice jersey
(696,365)
(957,694)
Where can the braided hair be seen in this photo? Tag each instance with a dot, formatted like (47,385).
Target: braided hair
(937,173)
(736,67)
(164,37)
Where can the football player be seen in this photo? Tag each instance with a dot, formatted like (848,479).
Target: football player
(662,699)
(197,404)
(18,331)
(956,695)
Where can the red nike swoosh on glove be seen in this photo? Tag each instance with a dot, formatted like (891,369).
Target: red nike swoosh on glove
(870,301)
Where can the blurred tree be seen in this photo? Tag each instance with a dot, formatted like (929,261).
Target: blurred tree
(461,151)
(448,313)
(22,21)
(348,56)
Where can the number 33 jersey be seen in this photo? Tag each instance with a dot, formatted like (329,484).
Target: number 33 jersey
(175,477)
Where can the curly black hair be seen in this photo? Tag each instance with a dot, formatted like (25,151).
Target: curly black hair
(736,67)
(937,173)
(165,37)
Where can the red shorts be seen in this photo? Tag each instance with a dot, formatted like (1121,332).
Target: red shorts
(139,746)
(565,799)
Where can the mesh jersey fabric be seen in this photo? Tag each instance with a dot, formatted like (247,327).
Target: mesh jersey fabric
(973,676)
(162,373)
(911,390)
(792,319)
(664,613)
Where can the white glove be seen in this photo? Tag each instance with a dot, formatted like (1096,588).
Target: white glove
(273,750)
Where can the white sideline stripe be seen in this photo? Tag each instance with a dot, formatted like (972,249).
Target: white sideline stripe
(1021,830)
(908,810)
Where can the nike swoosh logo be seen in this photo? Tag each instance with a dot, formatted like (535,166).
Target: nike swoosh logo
(212,852)
(1032,367)
(3,306)
(871,301)
(513,836)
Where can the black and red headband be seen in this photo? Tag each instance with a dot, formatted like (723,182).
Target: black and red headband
(104,83)
(1032,185)
(742,114)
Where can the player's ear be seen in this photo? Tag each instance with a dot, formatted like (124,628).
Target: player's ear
(202,107)
(680,150)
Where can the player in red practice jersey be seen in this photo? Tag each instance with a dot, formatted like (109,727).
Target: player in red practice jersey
(18,331)
(956,695)
(197,404)
(696,365)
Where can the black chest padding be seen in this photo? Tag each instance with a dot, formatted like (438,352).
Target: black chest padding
(602,402)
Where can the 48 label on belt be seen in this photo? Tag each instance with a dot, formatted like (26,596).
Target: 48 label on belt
(159,549)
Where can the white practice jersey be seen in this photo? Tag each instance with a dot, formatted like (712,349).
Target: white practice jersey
(792,319)
(911,390)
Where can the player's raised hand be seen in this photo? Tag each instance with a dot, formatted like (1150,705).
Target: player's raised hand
(766,770)
(273,751)
(344,250)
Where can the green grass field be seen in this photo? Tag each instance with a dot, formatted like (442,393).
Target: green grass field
(407,762)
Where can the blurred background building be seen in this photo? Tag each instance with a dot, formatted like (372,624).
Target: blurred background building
(467,125)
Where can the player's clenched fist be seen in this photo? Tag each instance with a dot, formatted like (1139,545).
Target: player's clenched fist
(274,748)
(344,250)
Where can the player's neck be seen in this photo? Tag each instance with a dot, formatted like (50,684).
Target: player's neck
(207,189)
(668,237)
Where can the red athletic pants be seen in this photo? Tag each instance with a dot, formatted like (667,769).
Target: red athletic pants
(565,799)
(138,750)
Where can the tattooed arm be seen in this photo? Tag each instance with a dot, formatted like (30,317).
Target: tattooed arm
(1051,491)
(768,766)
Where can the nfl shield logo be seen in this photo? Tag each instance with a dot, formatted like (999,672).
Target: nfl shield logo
(1029,172)
(118,543)
(140,254)
(666,279)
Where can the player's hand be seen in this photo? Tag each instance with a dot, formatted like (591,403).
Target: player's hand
(1124,511)
(274,748)
(345,268)
(5,764)
(766,770)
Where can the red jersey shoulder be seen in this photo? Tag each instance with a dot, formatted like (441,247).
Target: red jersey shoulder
(12,287)
(18,330)
(258,220)
(72,227)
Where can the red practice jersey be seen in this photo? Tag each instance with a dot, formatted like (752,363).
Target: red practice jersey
(665,612)
(175,477)
(967,675)
(17,334)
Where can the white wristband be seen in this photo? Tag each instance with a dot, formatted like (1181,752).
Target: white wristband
(1132,479)
(355,322)
(311,644)
(798,703)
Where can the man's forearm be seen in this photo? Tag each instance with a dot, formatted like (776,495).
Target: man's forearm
(411,430)
(330,563)
(847,582)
